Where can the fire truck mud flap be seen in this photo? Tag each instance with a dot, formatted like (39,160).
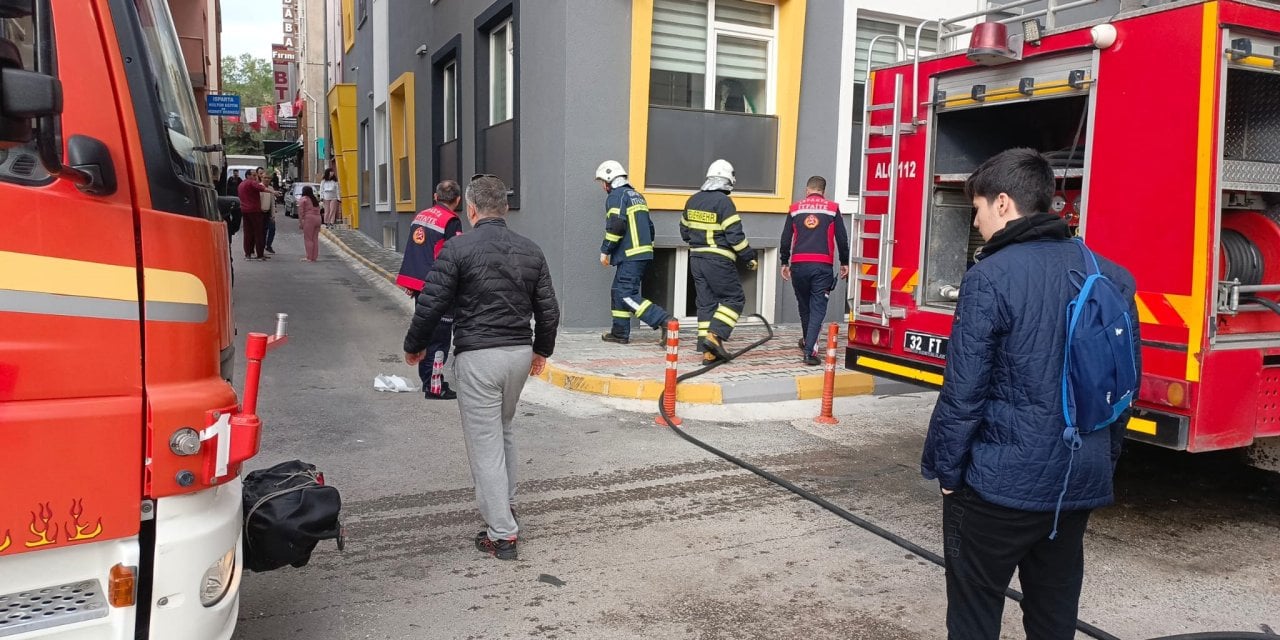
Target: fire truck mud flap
(1264,454)
(197,546)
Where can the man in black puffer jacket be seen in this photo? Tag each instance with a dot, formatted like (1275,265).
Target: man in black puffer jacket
(995,443)
(497,284)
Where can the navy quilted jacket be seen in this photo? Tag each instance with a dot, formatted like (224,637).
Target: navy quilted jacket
(997,427)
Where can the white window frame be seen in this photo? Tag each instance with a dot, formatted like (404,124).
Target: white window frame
(382,159)
(509,54)
(766,288)
(367,147)
(449,89)
(768,36)
(848,66)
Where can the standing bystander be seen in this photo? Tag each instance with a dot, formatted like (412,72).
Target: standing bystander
(1016,493)
(253,218)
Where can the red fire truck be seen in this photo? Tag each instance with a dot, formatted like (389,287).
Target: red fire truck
(1163,124)
(121,439)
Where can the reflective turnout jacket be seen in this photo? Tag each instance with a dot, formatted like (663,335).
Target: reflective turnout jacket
(427,234)
(628,231)
(711,226)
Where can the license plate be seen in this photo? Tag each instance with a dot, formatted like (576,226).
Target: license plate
(925,345)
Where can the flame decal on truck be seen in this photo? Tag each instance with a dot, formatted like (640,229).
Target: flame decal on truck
(77,510)
(46,535)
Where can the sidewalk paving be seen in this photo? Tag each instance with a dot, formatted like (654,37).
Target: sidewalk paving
(584,363)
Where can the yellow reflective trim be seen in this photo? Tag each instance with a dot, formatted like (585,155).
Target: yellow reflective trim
(644,306)
(612,212)
(899,370)
(631,210)
(716,250)
(726,319)
(730,220)
(639,250)
(621,314)
(1142,426)
(727,310)
(61,276)
(612,237)
(711,238)
(741,246)
(704,325)
(631,222)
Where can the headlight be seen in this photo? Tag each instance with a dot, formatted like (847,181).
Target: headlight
(217,579)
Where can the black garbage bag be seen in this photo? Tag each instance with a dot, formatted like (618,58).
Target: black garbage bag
(287,510)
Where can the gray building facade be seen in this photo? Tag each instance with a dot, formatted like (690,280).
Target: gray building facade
(539,92)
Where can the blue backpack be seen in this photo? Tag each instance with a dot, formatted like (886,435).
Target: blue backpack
(1099,374)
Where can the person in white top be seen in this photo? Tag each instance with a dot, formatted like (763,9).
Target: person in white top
(331,197)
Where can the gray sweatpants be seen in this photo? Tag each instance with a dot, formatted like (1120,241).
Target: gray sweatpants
(489,382)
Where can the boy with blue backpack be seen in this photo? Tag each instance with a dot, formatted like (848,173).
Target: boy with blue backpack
(1042,367)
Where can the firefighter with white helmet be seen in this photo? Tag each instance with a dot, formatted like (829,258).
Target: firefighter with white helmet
(628,246)
(717,244)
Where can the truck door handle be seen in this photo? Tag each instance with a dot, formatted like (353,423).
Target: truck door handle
(91,156)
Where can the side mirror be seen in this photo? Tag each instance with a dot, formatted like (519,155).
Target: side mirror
(92,158)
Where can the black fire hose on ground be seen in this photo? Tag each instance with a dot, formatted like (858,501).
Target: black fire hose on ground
(906,544)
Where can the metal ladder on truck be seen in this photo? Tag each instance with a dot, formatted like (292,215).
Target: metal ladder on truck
(877,269)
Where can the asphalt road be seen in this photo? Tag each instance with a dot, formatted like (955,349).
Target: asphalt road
(630,532)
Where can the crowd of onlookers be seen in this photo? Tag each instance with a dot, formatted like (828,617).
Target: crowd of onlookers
(257,195)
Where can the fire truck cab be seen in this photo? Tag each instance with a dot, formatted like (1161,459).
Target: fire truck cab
(1163,125)
(121,439)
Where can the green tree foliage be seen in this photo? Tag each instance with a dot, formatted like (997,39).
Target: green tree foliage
(250,78)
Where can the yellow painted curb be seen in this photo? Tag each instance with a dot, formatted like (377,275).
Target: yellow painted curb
(848,383)
(705,393)
(353,253)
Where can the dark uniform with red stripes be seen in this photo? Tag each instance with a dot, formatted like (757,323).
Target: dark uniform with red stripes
(812,236)
(427,235)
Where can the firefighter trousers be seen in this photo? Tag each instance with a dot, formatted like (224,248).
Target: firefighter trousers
(627,301)
(720,298)
(813,282)
(438,347)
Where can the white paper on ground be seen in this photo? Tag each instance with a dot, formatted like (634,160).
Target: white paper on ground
(393,384)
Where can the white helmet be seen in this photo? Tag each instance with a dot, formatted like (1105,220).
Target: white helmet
(609,170)
(722,169)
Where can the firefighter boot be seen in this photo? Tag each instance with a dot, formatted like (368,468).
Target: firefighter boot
(610,337)
(714,350)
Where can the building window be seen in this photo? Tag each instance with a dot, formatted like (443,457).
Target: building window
(716,55)
(366,163)
(501,52)
(446,144)
(886,52)
(382,157)
(497,86)
(449,101)
(400,98)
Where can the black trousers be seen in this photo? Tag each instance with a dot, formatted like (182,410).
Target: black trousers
(984,543)
(441,341)
(719,294)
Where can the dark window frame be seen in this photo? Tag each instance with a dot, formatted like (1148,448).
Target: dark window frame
(449,53)
(490,18)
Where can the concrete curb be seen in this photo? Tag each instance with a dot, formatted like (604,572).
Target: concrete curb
(848,383)
(356,254)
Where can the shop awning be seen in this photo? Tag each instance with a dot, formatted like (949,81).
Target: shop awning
(289,150)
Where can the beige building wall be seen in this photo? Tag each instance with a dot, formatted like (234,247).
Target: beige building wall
(199,27)
(311,80)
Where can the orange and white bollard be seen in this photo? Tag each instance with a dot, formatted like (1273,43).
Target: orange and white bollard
(669,389)
(829,378)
